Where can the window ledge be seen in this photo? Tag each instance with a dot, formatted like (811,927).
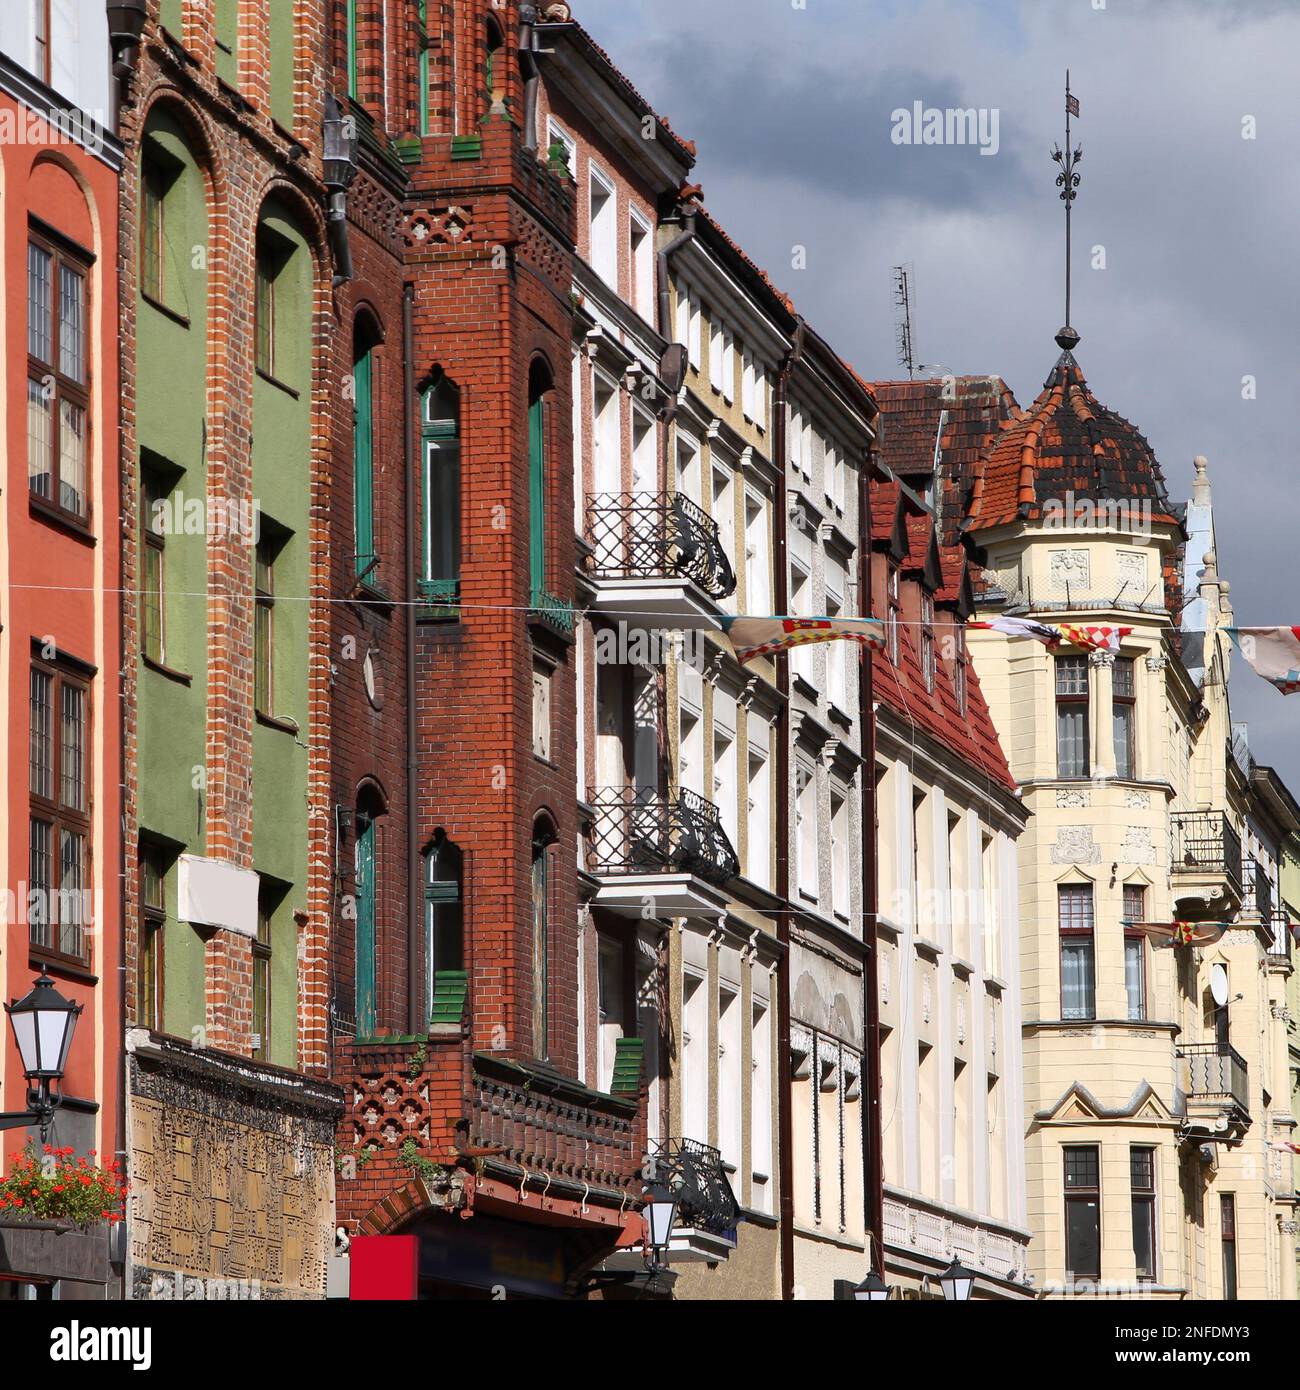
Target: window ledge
(178,676)
(279,385)
(278,722)
(42,958)
(47,511)
(174,314)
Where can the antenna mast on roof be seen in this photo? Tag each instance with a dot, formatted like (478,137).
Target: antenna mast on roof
(903,276)
(1067,181)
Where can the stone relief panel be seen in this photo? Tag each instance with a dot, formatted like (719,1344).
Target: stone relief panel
(1075,845)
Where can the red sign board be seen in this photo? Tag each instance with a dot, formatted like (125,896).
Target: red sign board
(384,1267)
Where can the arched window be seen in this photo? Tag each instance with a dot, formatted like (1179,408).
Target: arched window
(363,455)
(493,66)
(543,885)
(539,383)
(366,854)
(444,911)
(440,448)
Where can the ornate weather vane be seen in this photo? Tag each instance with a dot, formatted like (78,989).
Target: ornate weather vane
(1068,181)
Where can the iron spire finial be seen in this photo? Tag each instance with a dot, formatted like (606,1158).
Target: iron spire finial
(1068,182)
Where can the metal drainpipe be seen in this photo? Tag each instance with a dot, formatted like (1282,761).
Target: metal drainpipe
(126,861)
(785,1118)
(528,66)
(873,1176)
(686,234)
(415,881)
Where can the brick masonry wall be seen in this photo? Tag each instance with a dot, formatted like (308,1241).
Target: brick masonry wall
(244,157)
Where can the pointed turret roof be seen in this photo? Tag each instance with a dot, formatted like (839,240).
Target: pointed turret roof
(1066,442)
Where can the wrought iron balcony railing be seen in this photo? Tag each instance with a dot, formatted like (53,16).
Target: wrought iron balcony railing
(1215,1072)
(1205,843)
(1278,921)
(637,832)
(695,1173)
(657,535)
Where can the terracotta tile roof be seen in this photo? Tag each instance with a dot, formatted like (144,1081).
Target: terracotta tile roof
(970,735)
(741,254)
(685,148)
(1066,442)
(921,424)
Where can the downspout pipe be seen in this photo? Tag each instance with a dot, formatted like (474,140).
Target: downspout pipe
(416,1025)
(873,1171)
(336,226)
(666,253)
(785,1117)
(531,73)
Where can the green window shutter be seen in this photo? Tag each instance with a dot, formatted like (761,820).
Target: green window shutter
(537,495)
(450,995)
(629,1062)
(363,481)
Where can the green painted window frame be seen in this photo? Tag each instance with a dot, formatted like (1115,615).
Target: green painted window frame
(153,570)
(353,82)
(422,68)
(363,461)
(264,626)
(537,493)
(439,435)
(444,913)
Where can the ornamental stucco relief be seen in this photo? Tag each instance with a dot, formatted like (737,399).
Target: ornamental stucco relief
(1075,845)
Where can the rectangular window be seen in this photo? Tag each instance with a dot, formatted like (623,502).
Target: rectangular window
(59,821)
(728,365)
(1142,1186)
(760,1105)
(803,661)
(266,898)
(806,815)
(440,441)
(363,478)
(758,550)
(758,852)
(1072,716)
(959,668)
(894,617)
(1082,1212)
(747,383)
(927,640)
(641,245)
(1078,971)
(1124,717)
(840,855)
(153,189)
(715,351)
(40,10)
(57,396)
(264,305)
(353,85)
(264,627)
(153,919)
(152,567)
(1228,1237)
(1135,948)
(610,1005)
(601,228)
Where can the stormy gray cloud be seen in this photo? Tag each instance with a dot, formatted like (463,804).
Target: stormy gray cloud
(1189,207)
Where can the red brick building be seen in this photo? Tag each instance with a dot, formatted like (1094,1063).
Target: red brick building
(455,977)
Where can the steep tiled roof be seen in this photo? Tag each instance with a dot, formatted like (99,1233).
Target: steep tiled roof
(960,415)
(970,735)
(1066,442)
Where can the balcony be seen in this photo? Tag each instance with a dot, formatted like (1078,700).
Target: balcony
(545,1124)
(657,559)
(1277,923)
(670,851)
(1205,858)
(1216,1083)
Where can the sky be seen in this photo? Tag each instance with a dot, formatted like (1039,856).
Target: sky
(790,103)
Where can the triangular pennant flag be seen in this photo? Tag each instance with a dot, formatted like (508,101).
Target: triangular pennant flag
(1273,652)
(759,636)
(1022,627)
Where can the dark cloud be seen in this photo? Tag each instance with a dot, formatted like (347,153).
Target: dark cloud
(791,112)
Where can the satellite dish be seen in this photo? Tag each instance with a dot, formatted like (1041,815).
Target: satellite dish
(1219,984)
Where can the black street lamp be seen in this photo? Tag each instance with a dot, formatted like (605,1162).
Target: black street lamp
(43,1023)
(957,1282)
(872,1289)
(660,1213)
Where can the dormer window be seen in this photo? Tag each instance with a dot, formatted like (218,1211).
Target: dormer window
(927,640)
(894,615)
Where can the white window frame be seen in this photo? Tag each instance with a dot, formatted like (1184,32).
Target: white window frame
(603,259)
